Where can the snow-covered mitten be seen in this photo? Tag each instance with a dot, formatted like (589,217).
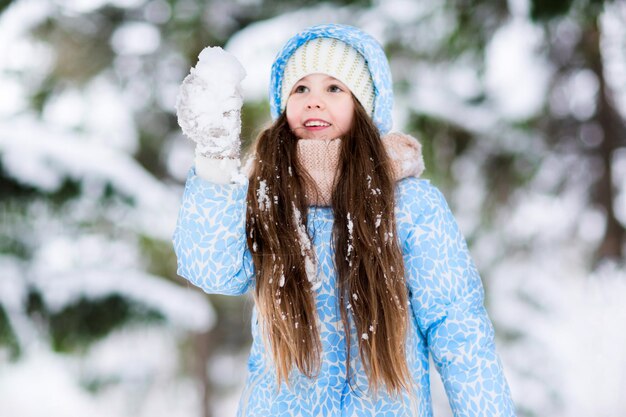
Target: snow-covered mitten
(209,104)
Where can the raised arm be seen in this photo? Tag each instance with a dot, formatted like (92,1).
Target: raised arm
(210,236)
(447,299)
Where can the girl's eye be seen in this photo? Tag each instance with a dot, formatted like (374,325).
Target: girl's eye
(334,88)
(300,89)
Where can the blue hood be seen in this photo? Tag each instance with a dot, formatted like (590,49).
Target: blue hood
(359,40)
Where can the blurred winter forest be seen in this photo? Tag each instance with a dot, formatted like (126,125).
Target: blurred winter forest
(520,107)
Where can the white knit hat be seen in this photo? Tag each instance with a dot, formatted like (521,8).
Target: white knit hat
(331,57)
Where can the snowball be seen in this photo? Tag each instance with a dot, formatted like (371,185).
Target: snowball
(209,103)
(219,68)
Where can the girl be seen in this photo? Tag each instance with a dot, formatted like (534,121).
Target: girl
(357,266)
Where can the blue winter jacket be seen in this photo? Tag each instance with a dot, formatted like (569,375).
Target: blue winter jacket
(449,319)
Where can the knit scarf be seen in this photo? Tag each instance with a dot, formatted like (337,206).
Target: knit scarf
(321,157)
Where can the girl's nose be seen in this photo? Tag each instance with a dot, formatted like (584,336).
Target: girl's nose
(314,102)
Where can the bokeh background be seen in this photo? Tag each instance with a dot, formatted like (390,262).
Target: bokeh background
(520,107)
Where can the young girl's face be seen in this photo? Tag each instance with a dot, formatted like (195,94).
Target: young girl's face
(320,107)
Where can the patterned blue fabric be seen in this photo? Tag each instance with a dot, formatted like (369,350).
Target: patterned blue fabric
(446,299)
(359,40)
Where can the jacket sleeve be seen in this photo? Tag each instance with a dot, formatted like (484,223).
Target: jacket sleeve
(447,299)
(210,237)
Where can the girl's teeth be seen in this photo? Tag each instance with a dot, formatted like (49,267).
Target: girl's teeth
(310,124)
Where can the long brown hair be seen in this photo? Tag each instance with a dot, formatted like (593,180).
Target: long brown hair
(368,259)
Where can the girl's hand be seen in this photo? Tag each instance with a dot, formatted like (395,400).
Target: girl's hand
(209,104)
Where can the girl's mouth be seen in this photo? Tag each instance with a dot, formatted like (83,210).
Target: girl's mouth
(315,124)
